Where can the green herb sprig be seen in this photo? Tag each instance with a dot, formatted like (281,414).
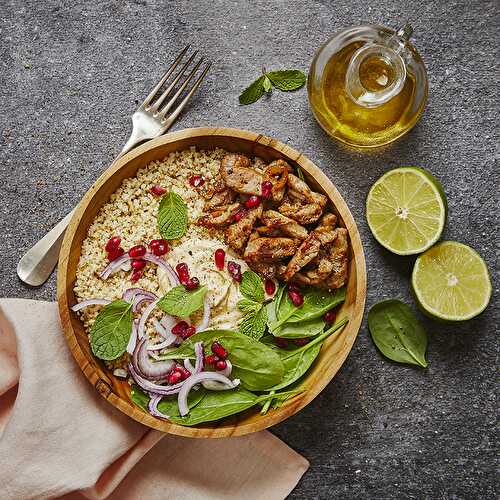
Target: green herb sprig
(285,80)
(255,320)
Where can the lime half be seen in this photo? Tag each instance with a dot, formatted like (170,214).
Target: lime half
(451,282)
(406,210)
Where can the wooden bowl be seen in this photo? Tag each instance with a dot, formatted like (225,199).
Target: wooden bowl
(116,391)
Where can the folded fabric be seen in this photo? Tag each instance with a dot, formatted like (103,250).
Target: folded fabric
(59,437)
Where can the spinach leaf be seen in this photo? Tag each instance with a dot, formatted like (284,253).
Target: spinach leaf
(397,333)
(111,330)
(252,287)
(168,405)
(172,216)
(254,324)
(297,361)
(181,302)
(309,328)
(255,364)
(316,303)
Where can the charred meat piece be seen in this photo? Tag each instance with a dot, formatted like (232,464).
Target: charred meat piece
(269,249)
(302,213)
(267,269)
(221,197)
(278,171)
(273,219)
(219,216)
(270,232)
(237,234)
(238,175)
(299,190)
(308,250)
(321,270)
(338,258)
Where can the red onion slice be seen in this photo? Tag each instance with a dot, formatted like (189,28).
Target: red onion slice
(169,338)
(151,387)
(147,368)
(132,341)
(90,302)
(130,293)
(196,379)
(114,266)
(153,407)
(212,385)
(172,275)
(199,352)
(144,317)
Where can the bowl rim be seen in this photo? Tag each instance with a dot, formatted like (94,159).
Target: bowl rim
(214,429)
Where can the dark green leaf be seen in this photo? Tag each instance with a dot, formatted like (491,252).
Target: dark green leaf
(181,302)
(248,306)
(267,84)
(252,287)
(111,330)
(397,332)
(253,92)
(286,80)
(254,324)
(300,174)
(309,328)
(255,364)
(172,216)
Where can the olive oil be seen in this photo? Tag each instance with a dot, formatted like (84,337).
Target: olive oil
(396,95)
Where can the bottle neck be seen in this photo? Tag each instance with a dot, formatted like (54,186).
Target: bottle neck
(377,72)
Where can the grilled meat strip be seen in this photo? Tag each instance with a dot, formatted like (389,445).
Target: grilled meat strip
(219,216)
(338,257)
(240,176)
(237,234)
(269,249)
(274,219)
(278,171)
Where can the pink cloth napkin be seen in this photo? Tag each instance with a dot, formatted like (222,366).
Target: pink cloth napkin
(59,437)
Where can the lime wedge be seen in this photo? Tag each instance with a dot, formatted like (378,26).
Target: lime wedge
(451,282)
(406,210)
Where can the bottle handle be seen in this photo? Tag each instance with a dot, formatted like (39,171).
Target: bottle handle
(391,53)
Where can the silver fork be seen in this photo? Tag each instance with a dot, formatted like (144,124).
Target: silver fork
(151,119)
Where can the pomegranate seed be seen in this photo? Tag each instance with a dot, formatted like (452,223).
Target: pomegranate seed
(184,372)
(137,252)
(180,328)
(193,283)
(270,286)
(211,359)
(293,287)
(113,244)
(296,297)
(114,254)
(159,247)
(234,270)
(266,189)
(219,257)
(240,214)
(196,180)
(190,330)
(174,378)
(330,316)
(136,275)
(253,201)
(220,365)
(157,190)
(301,342)
(218,350)
(281,342)
(183,272)
(137,265)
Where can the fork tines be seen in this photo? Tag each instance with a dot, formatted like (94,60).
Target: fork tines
(175,88)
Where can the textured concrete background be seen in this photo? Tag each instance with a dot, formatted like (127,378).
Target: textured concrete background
(71,73)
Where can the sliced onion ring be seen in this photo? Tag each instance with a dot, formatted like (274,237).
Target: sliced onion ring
(212,385)
(132,341)
(90,302)
(151,370)
(151,387)
(114,266)
(169,338)
(144,317)
(172,275)
(153,407)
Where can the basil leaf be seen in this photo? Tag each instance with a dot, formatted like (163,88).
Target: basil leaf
(254,324)
(397,333)
(111,330)
(309,328)
(181,302)
(298,360)
(252,287)
(169,404)
(255,364)
(172,216)
(316,303)
(287,80)
(248,306)
(253,92)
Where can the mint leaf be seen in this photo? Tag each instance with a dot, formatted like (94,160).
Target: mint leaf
(252,287)
(248,306)
(181,302)
(111,330)
(172,216)
(287,80)
(254,325)
(253,92)
(267,84)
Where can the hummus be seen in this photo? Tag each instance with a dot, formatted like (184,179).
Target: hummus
(223,292)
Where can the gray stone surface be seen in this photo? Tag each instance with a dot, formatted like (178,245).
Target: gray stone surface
(70,75)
